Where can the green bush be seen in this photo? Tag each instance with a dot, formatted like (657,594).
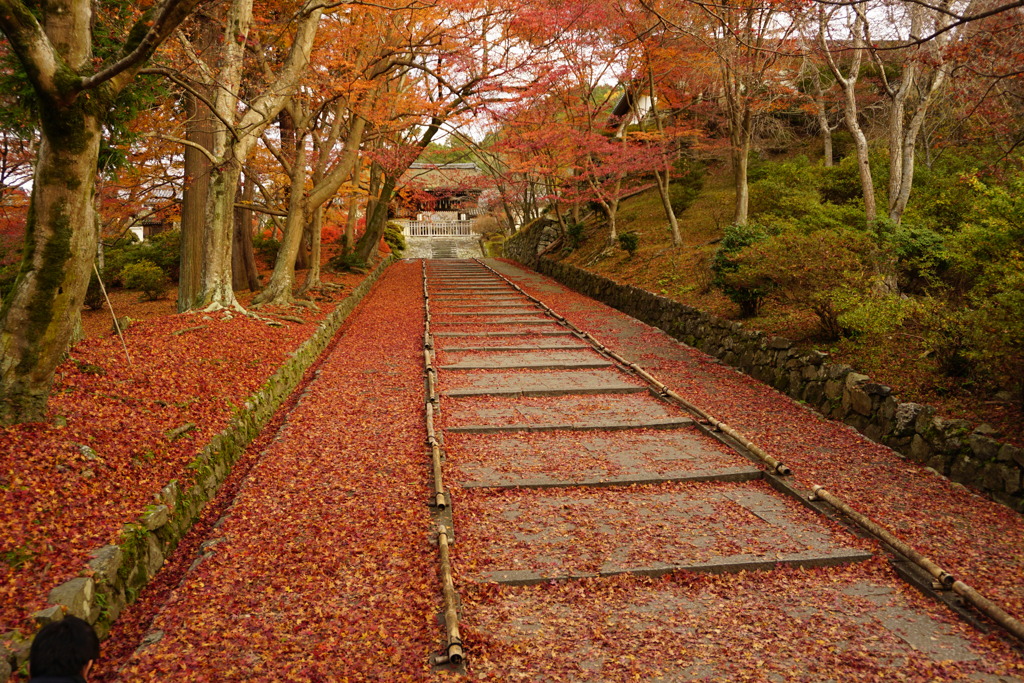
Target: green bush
(840,184)
(161,250)
(920,256)
(94,293)
(827,272)
(348,263)
(147,277)
(266,247)
(394,238)
(629,241)
(724,263)
(494,247)
(687,184)
(574,233)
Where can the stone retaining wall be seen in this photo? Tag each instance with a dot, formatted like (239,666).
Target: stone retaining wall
(524,246)
(966,454)
(116,574)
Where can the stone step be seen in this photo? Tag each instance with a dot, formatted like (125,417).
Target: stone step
(605,426)
(531,536)
(551,459)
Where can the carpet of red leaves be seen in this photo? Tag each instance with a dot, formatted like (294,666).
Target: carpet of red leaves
(978,540)
(321,569)
(67,486)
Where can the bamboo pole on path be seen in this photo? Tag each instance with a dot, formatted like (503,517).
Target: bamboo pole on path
(1008,622)
(454,653)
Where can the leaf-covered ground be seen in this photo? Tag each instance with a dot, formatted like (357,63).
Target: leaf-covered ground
(69,485)
(980,541)
(322,567)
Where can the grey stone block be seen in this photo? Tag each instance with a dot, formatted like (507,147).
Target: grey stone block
(105,563)
(76,596)
(1008,453)
(860,401)
(920,450)
(155,517)
(49,615)
(855,378)
(983,447)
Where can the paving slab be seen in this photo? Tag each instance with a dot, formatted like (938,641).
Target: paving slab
(536,360)
(724,628)
(504,321)
(511,306)
(512,332)
(528,346)
(486,312)
(606,411)
(529,536)
(478,309)
(591,459)
(541,383)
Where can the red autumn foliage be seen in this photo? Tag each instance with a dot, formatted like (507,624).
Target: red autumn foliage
(75,481)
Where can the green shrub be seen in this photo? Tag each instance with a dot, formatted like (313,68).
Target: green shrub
(394,238)
(629,241)
(494,247)
(348,263)
(840,184)
(574,233)
(687,184)
(827,272)
(161,250)
(863,315)
(94,293)
(920,256)
(724,263)
(147,277)
(266,247)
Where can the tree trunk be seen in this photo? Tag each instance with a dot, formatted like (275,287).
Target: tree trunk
(666,202)
(313,274)
(199,130)
(278,291)
(40,312)
(349,238)
(233,151)
(244,273)
(199,127)
(740,160)
(366,246)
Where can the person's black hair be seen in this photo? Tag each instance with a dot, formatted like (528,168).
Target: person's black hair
(63,648)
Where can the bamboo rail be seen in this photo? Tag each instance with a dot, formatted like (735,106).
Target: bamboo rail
(942,577)
(454,653)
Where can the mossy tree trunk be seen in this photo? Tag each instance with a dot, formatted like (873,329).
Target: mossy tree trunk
(38,317)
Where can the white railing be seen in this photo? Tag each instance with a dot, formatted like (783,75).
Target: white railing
(437,228)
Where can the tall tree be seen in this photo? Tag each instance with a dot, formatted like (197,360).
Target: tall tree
(54,42)
(233,144)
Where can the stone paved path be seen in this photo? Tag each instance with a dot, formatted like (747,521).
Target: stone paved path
(586,506)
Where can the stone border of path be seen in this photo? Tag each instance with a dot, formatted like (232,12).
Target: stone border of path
(953,448)
(113,578)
